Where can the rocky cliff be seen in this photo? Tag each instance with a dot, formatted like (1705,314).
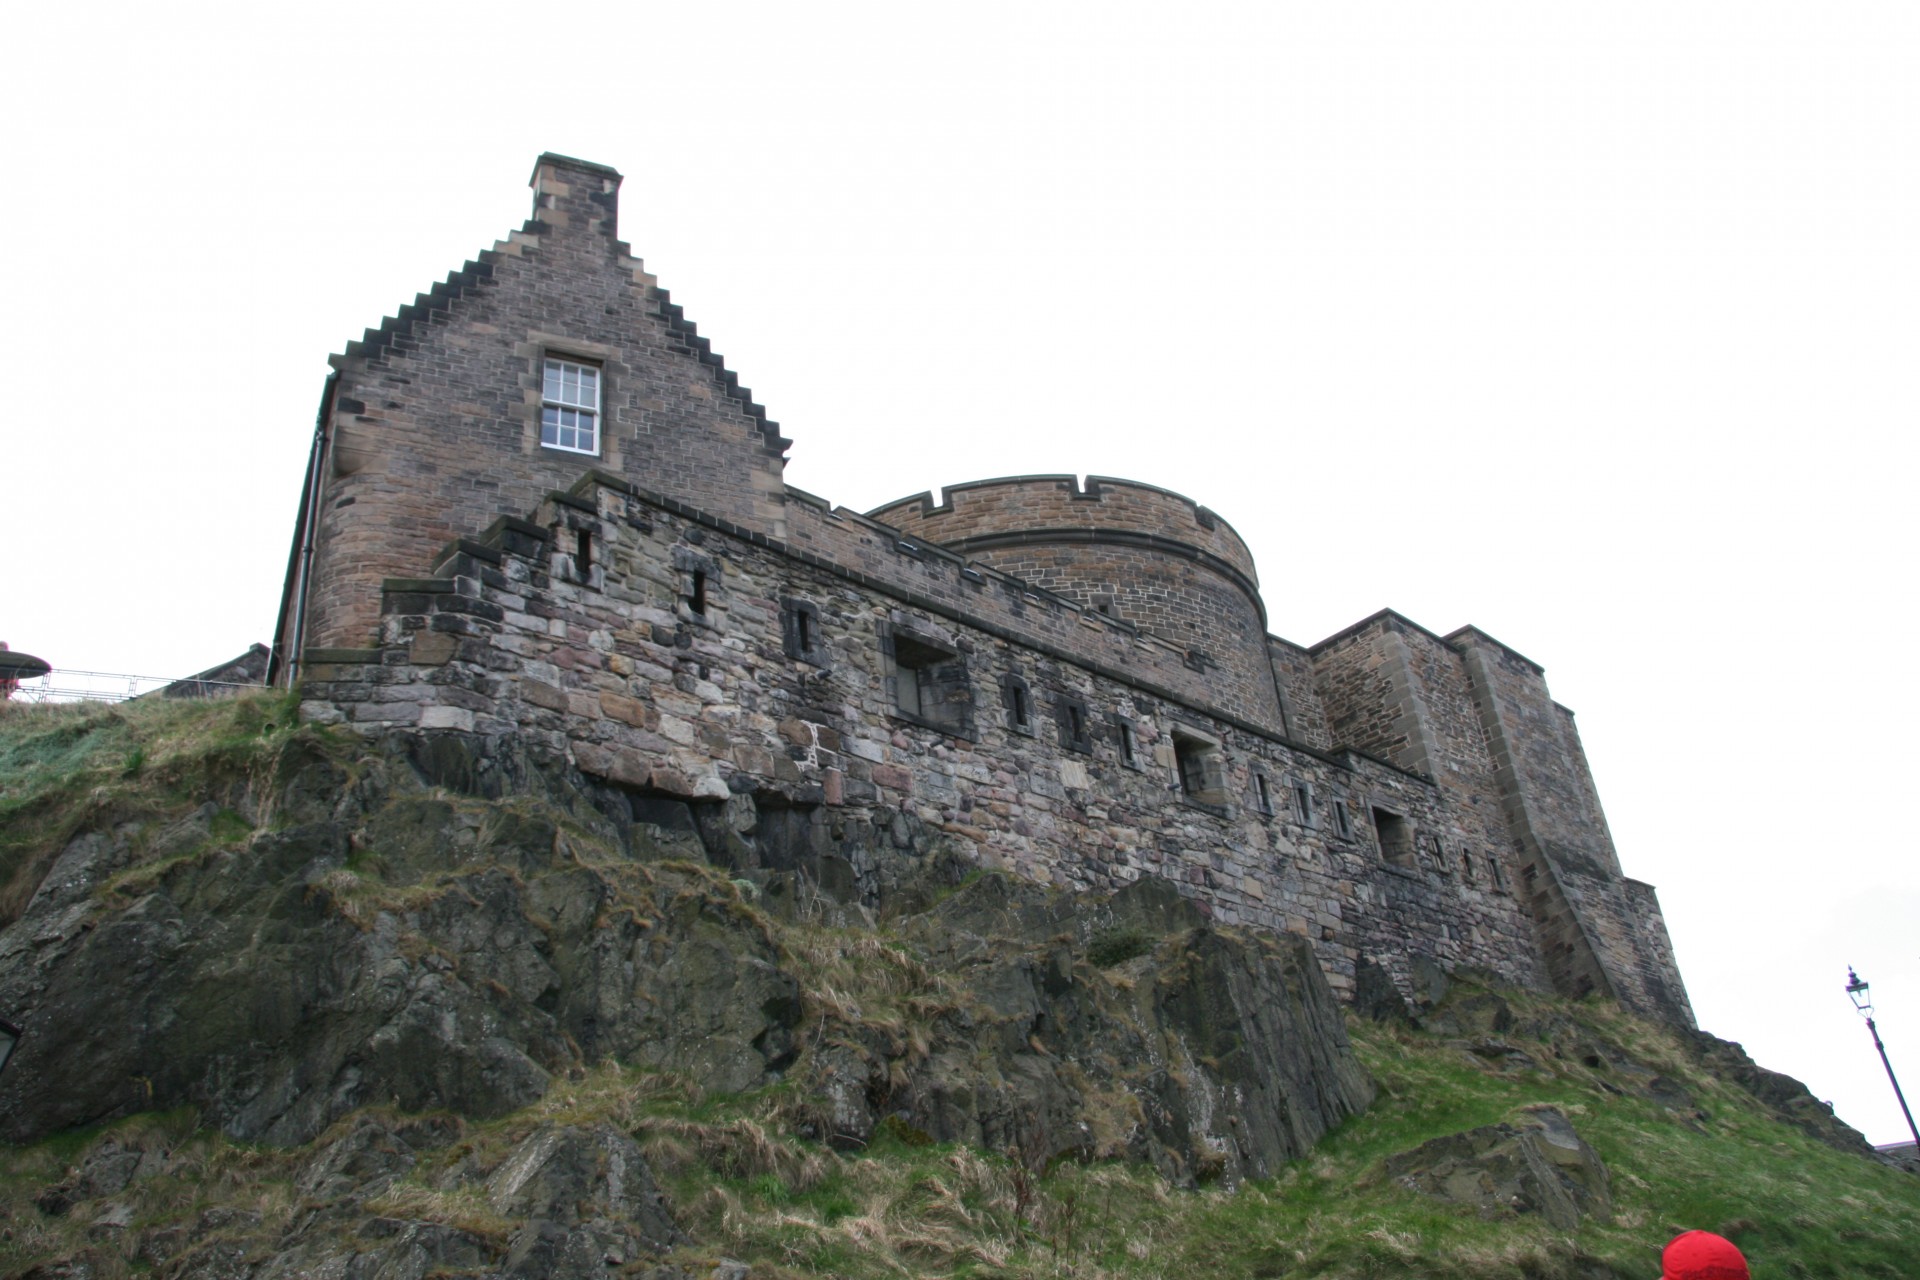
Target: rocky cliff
(305,1003)
(284,936)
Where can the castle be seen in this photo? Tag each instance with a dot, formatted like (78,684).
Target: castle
(540,504)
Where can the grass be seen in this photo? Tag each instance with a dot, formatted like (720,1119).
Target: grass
(65,767)
(744,1186)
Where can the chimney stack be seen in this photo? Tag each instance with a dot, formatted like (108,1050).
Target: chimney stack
(569,193)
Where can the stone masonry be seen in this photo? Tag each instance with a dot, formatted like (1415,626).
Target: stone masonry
(1072,682)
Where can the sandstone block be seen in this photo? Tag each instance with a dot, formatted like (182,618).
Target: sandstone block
(627,710)
(543,695)
(446,718)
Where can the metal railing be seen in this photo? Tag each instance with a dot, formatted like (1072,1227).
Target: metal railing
(63,684)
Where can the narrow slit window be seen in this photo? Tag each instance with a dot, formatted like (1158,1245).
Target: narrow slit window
(1303,803)
(570,407)
(1070,714)
(1193,774)
(800,631)
(1018,697)
(1265,797)
(582,553)
(1127,756)
(1342,820)
(1466,867)
(697,593)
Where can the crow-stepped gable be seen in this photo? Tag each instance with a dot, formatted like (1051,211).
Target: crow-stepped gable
(539,504)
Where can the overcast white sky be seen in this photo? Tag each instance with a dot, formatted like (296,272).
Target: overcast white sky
(1591,325)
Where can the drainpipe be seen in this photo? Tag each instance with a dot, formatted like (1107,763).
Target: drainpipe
(292,640)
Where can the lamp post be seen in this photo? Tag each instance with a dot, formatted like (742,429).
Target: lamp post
(1857,992)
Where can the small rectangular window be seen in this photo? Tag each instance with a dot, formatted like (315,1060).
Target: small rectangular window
(1396,839)
(1342,820)
(1127,756)
(1262,794)
(697,593)
(930,685)
(1303,804)
(582,553)
(803,631)
(1018,697)
(1197,762)
(570,407)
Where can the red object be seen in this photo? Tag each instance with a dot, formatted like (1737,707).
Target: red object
(1702,1255)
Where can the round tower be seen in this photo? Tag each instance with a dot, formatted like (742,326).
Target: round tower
(1139,553)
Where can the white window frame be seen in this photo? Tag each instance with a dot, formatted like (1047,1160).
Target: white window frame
(556,405)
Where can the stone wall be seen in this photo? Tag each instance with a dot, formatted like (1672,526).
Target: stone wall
(1474,716)
(1596,934)
(807,759)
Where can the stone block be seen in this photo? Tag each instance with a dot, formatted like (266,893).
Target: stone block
(432,648)
(545,695)
(628,711)
(616,764)
(446,718)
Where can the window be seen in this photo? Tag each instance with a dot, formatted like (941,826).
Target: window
(1262,794)
(1396,839)
(1072,715)
(582,553)
(1466,866)
(930,684)
(1499,877)
(697,592)
(1342,820)
(1197,762)
(1016,699)
(1303,804)
(800,628)
(570,407)
(1129,756)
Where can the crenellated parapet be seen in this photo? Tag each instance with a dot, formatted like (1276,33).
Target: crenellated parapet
(1145,555)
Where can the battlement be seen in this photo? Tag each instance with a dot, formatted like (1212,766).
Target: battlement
(982,514)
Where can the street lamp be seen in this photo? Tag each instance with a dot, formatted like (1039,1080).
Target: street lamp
(1857,992)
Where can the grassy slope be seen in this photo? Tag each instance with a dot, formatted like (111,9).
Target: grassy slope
(743,1186)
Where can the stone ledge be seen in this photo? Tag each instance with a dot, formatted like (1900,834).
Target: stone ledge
(341,657)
